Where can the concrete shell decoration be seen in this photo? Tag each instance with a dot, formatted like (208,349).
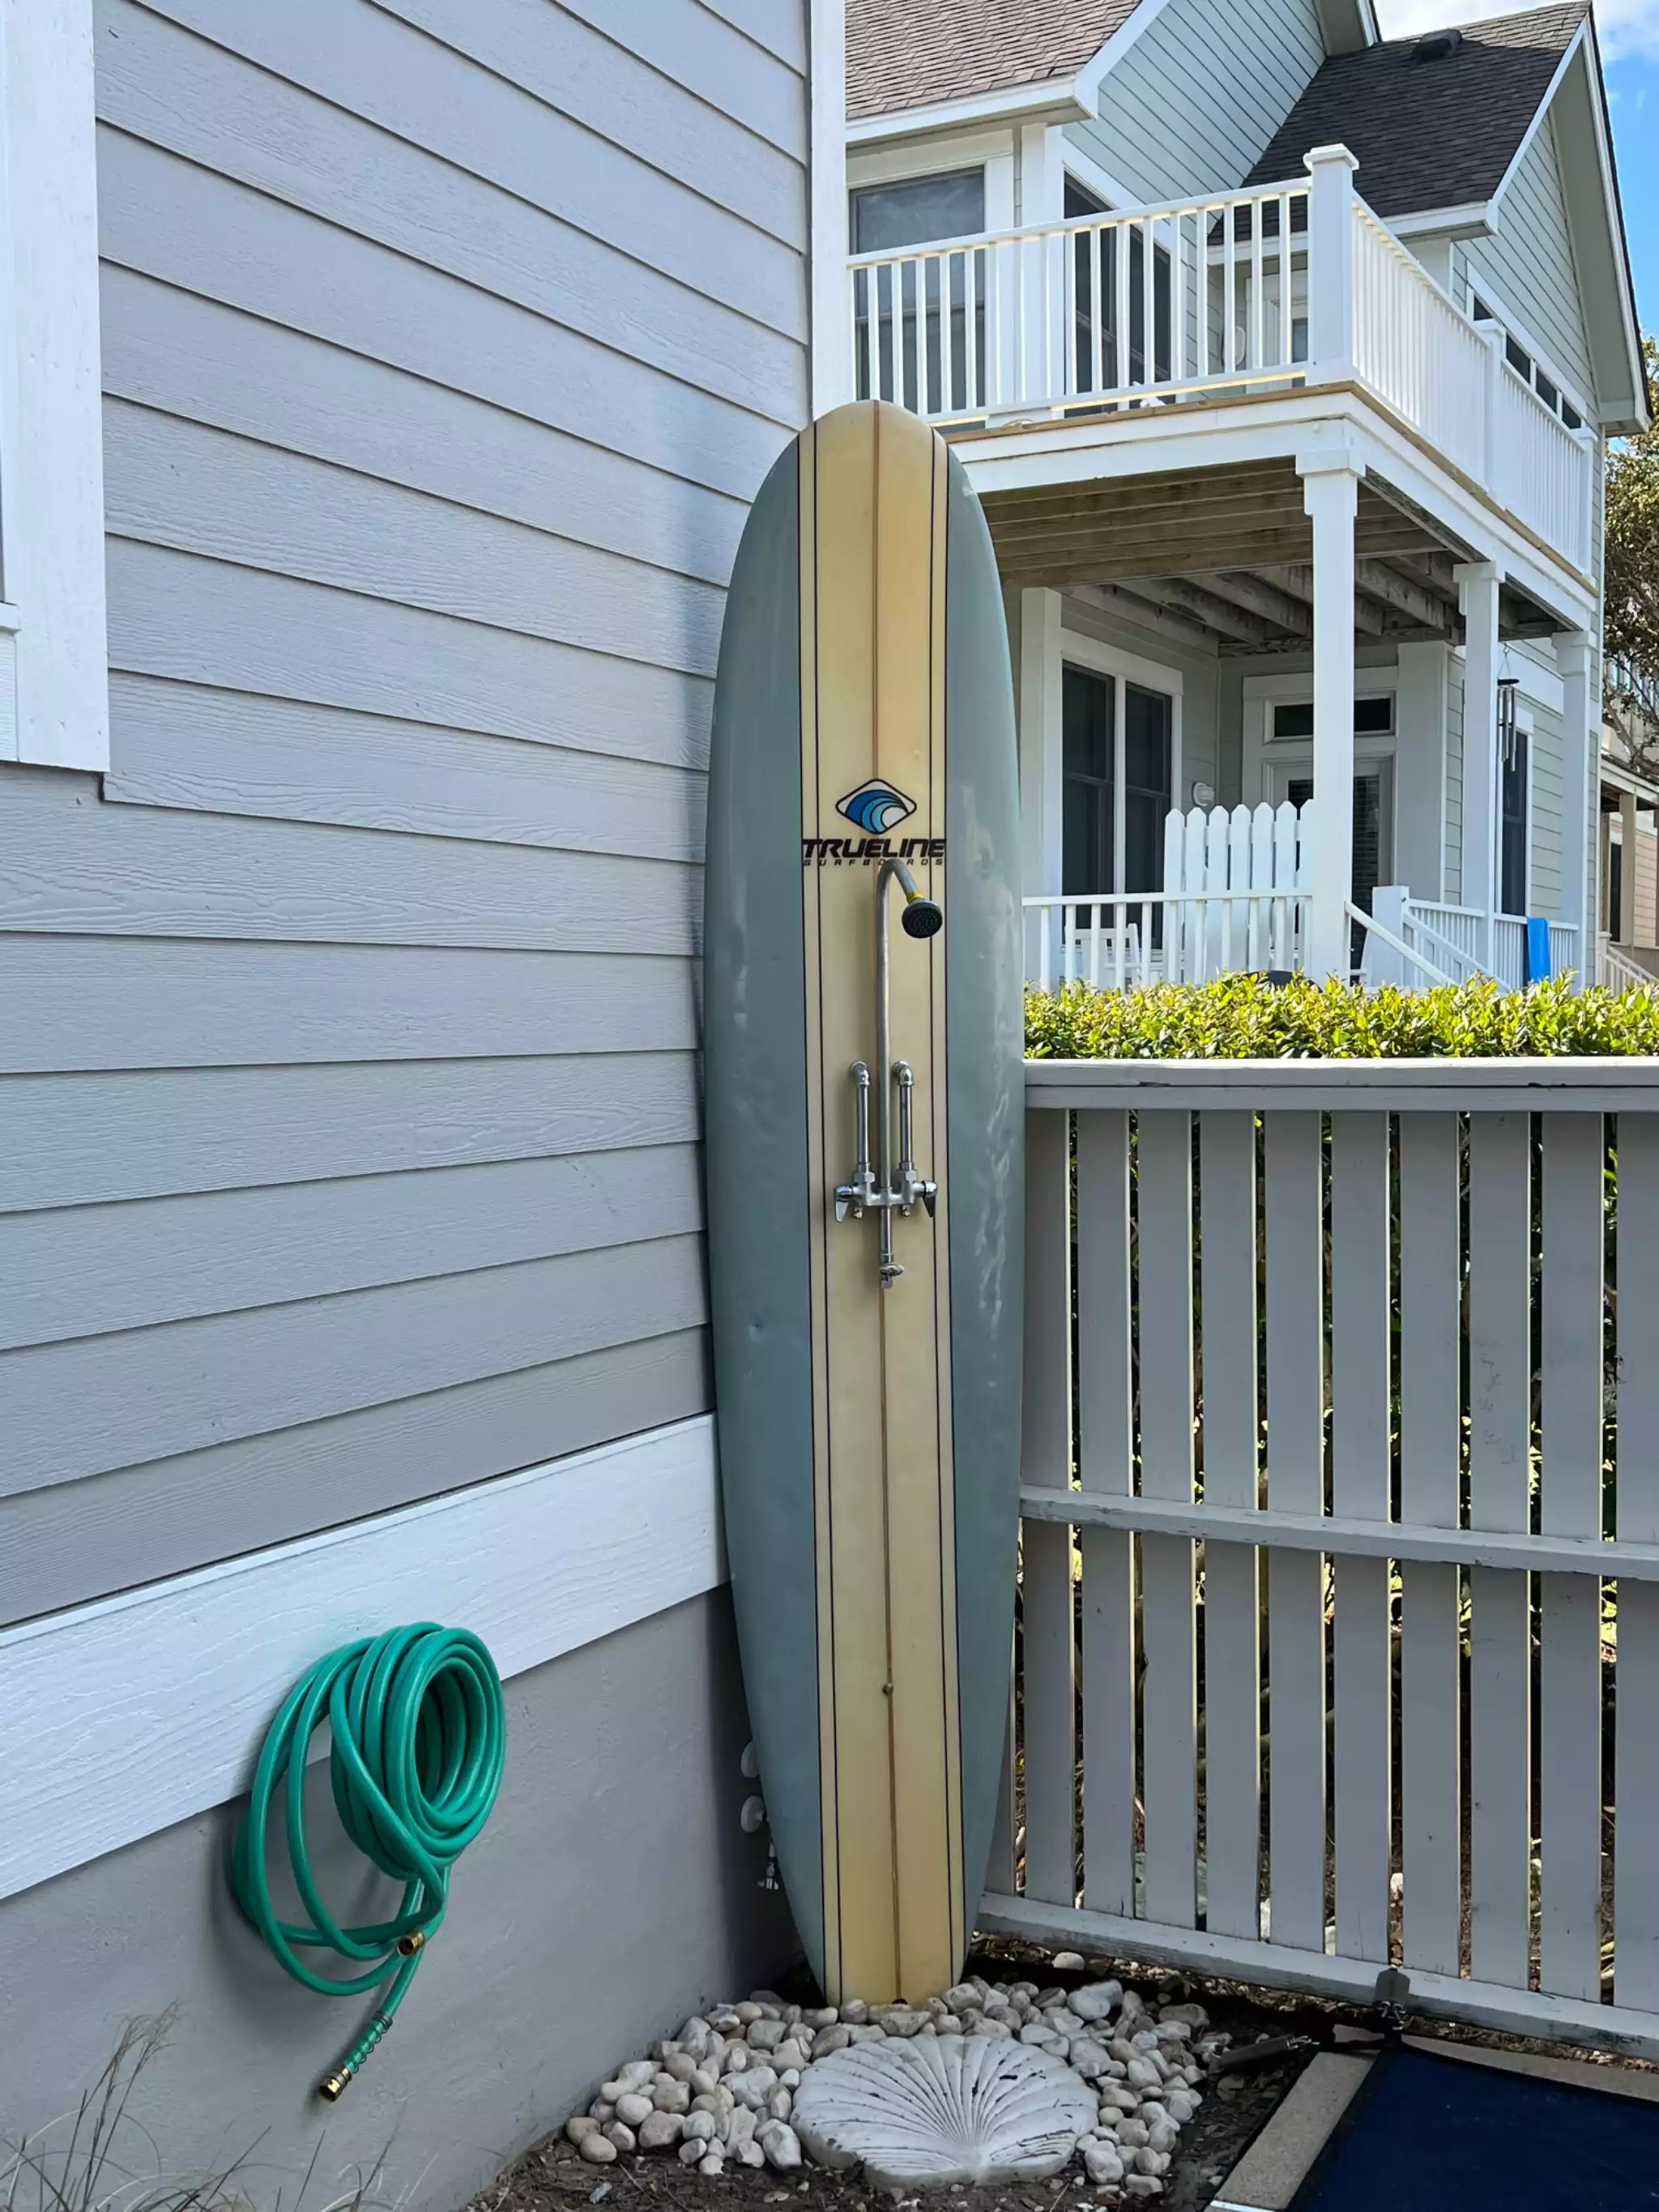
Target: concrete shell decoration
(923,2114)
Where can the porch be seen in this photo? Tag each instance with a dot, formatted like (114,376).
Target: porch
(1254,474)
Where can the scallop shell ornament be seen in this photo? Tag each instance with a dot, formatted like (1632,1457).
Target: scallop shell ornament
(922,2114)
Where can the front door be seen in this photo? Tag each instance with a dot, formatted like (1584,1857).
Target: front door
(1372,841)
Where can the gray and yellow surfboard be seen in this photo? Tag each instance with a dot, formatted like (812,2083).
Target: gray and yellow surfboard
(865,1183)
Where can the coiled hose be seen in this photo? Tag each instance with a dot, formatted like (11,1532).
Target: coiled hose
(420,1736)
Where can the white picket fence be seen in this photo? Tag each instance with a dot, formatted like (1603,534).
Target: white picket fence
(1232,898)
(1304,1653)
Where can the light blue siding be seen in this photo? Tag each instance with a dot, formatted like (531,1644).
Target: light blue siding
(1530,265)
(1197,98)
(348,1071)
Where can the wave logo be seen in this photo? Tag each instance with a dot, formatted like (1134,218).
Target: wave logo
(876,807)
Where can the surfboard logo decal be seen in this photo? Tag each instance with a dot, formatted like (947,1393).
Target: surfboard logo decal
(876,807)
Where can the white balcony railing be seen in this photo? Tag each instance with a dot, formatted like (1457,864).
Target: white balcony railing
(1257,291)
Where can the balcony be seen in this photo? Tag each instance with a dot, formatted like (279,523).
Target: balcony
(1282,290)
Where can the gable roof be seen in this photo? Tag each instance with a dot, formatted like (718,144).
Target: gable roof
(1430,133)
(913,54)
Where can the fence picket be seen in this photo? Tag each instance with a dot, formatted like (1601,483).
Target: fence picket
(1361,1480)
(1232,1658)
(1106,1461)
(1295,1483)
(1570,1810)
(1046,1458)
(1636,1952)
(1168,1717)
(1431,1280)
(1500,1436)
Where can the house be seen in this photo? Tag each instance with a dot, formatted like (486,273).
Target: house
(1629,856)
(1282,357)
(382,389)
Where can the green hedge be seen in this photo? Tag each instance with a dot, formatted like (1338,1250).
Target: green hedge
(1243,1018)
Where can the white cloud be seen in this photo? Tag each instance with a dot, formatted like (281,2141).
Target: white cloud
(1624,26)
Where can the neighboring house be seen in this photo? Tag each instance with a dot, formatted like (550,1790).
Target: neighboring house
(1629,775)
(407,368)
(1380,297)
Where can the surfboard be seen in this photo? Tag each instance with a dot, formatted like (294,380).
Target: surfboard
(865,1184)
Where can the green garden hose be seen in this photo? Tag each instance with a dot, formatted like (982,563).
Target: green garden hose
(420,1736)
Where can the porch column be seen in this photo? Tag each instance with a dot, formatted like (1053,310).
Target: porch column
(1480,582)
(1330,492)
(1041,781)
(1580,738)
(1330,264)
(1626,932)
(1419,784)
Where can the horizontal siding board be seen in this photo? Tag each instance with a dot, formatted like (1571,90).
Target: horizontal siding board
(81,1139)
(164,217)
(190,357)
(361,57)
(573,68)
(90,1270)
(781,30)
(233,752)
(1197,98)
(88,1003)
(199,621)
(200,102)
(70,862)
(691,47)
(73,1410)
(81,1541)
(205,492)
(1530,261)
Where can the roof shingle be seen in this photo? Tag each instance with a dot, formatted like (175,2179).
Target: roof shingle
(1429,133)
(910,53)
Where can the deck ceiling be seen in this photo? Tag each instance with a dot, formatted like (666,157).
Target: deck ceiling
(1228,554)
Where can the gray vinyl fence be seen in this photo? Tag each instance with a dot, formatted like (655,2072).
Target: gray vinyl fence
(1340,1556)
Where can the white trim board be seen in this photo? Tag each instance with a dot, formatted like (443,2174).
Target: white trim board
(119,1718)
(831,360)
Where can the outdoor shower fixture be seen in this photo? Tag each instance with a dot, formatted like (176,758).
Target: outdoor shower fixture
(896,1190)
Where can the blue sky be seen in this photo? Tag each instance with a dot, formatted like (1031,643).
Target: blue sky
(1629,32)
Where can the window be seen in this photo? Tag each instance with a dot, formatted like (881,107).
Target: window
(54,661)
(918,211)
(941,364)
(1087,311)
(1512,825)
(1372,717)
(1119,764)
(1527,369)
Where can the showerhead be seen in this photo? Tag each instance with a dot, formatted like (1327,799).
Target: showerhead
(922,917)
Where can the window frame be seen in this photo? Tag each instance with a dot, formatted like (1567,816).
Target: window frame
(1524,729)
(1096,658)
(54,654)
(1483,306)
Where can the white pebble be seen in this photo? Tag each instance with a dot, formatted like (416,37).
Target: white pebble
(1087,2057)
(661,2131)
(701,2127)
(831,2039)
(751,2154)
(855,2012)
(672,2096)
(1133,2133)
(1163,2134)
(691,2152)
(1062,2021)
(1068,1962)
(1102,2165)
(777,2103)
(1142,2075)
(621,2135)
(579,2125)
(780,2143)
(1142,2185)
(597,2150)
(633,2109)
(712,2165)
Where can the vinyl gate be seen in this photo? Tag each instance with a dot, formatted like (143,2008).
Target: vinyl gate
(1311,1696)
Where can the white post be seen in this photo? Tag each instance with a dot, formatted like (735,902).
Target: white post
(1330,492)
(1625,932)
(1330,265)
(1043,269)
(1382,963)
(1481,581)
(1042,741)
(1494,385)
(1581,735)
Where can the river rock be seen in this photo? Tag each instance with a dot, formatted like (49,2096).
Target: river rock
(765,2034)
(701,2127)
(1162,2135)
(1102,2165)
(691,2152)
(579,2125)
(781,2144)
(633,2107)
(661,2131)
(621,2134)
(597,2150)
(1142,2185)
(751,2154)
(712,2165)
(1087,2057)
(855,2012)
(672,2096)
(1096,2002)
(831,2039)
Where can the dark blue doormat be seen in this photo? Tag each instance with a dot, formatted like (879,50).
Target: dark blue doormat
(1440,2135)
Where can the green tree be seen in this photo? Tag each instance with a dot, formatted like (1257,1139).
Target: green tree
(1632,584)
